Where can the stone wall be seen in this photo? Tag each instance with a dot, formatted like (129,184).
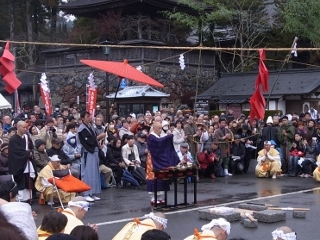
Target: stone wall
(66,87)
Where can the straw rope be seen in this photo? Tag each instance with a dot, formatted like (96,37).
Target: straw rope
(161,47)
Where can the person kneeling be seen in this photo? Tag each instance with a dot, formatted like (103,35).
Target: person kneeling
(269,162)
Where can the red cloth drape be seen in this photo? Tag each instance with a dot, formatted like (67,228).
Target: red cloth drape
(257,101)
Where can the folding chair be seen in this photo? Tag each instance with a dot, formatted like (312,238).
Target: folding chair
(58,174)
(63,180)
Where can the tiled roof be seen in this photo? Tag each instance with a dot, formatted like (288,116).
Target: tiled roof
(241,85)
(138,91)
(81,7)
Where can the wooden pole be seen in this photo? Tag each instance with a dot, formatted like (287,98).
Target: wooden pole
(289,209)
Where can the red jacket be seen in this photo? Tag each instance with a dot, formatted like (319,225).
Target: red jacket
(205,159)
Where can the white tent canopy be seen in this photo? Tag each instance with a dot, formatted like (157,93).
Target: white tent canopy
(4,104)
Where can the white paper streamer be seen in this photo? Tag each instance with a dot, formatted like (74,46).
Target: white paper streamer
(139,68)
(181,61)
(91,81)
(44,83)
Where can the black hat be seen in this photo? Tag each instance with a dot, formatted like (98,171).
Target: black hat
(142,135)
(237,137)
(245,126)
(110,138)
(222,118)
(38,143)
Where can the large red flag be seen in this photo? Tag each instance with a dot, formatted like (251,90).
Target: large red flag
(7,70)
(257,101)
(258,104)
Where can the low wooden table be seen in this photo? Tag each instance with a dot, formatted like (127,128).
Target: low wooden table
(174,174)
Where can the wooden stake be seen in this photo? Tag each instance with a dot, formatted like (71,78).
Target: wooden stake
(289,209)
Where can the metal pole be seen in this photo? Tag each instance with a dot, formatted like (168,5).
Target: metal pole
(107,99)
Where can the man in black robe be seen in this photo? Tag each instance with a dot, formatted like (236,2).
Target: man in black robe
(18,161)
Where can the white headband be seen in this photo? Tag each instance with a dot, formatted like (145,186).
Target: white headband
(221,222)
(280,234)
(160,220)
(81,204)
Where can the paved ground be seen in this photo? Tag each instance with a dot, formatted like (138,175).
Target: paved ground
(118,206)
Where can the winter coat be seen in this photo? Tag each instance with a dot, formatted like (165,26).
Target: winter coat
(41,159)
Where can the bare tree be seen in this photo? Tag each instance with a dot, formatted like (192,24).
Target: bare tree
(247,25)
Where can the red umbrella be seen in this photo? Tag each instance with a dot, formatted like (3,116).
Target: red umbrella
(123,70)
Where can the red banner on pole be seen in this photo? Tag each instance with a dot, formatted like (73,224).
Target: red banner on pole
(91,100)
(46,100)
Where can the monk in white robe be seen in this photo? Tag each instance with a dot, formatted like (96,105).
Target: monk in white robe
(217,229)
(316,172)
(45,187)
(269,162)
(135,229)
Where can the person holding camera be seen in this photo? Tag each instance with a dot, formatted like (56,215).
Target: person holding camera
(50,132)
(208,160)
(141,125)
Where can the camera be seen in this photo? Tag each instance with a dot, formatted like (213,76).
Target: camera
(52,129)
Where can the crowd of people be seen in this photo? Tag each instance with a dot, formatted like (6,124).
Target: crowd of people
(219,145)
(97,150)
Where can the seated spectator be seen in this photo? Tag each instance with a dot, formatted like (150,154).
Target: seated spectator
(116,162)
(53,222)
(111,129)
(310,156)
(217,229)
(71,149)
(238,154)
(104,170)
(43,186)
(130,153)
(155,220)
(184,154)
(39,124)
(12,131)
(40,156)
(76,211)
(208,161)
(4,169)
(56,149)
(34,133)
(125,129)
(284,233)
(302,129)
(84,233)
(296,152)
(178,135)
(269,162)
(155,234)
(142,148)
